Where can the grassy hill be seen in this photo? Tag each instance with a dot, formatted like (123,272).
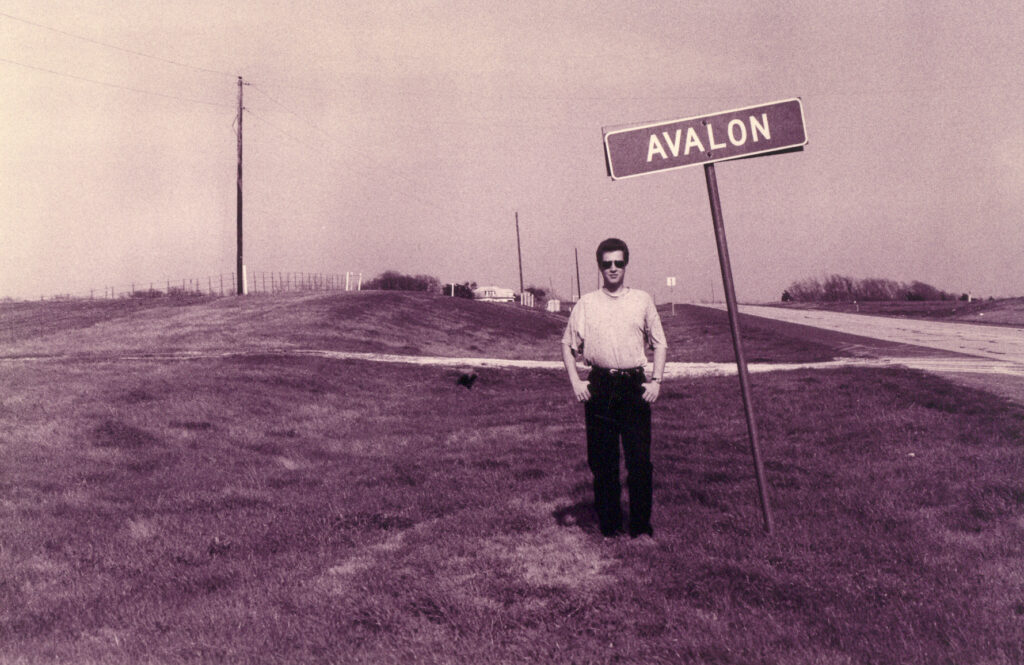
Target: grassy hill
(378,322)
(369,321)
(277,508)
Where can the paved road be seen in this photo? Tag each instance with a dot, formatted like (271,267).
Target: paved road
(994,342)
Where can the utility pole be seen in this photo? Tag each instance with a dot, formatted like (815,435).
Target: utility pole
(579,290)
(240,267)
(519,249)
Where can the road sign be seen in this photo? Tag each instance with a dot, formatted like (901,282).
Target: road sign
(753,130)
(671,281)
(706,139)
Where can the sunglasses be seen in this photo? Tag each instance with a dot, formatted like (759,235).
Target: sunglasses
(608,264)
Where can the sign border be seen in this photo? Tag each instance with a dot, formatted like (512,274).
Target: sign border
(783,148)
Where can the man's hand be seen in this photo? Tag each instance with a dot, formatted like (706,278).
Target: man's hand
(651,391)
(581,389)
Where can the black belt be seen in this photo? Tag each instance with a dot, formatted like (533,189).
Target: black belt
(614,371)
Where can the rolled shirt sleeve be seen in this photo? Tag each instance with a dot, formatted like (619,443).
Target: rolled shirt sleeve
(573,335)
(652,327)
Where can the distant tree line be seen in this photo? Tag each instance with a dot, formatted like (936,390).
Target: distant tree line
(540,295)
(464,290)
(838,288)
(392,280)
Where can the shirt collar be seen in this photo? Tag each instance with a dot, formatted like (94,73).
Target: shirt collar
(618,294)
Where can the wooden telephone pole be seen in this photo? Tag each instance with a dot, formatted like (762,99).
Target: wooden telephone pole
(519,250)
(240,265)
(579,291)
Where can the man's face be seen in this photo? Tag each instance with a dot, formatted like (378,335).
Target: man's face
(613,268)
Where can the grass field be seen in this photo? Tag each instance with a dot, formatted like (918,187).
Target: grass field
(269,508)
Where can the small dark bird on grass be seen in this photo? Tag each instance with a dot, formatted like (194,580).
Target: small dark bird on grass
(467,379)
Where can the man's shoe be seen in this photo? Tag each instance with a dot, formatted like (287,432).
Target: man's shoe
(644,531)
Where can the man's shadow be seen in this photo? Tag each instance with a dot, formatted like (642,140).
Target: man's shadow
(580,515)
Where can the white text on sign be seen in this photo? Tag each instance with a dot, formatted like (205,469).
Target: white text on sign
(752,130)
(736,132)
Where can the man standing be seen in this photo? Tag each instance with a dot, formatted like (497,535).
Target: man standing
(611,328)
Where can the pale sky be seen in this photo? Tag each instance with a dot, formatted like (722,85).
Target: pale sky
(406,135)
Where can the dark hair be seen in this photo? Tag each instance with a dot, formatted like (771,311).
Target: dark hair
(612,245)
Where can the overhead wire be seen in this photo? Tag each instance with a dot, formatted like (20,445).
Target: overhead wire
(335,160)
(572,98)
(350,149)
(117,48)
(922,88)
(114,85)
(291,111)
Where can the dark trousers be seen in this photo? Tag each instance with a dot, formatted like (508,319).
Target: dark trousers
(616,410)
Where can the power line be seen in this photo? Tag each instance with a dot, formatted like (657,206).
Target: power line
(284,132)
(351,149)
(289,110)
(917,88)
(116,48)
(342,163)
(114,85)
(460,122)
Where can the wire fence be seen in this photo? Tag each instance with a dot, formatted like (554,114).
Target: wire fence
(223,284)
(266,282)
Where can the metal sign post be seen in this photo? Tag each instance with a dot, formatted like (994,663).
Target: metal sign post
(745,132)
(734,326)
